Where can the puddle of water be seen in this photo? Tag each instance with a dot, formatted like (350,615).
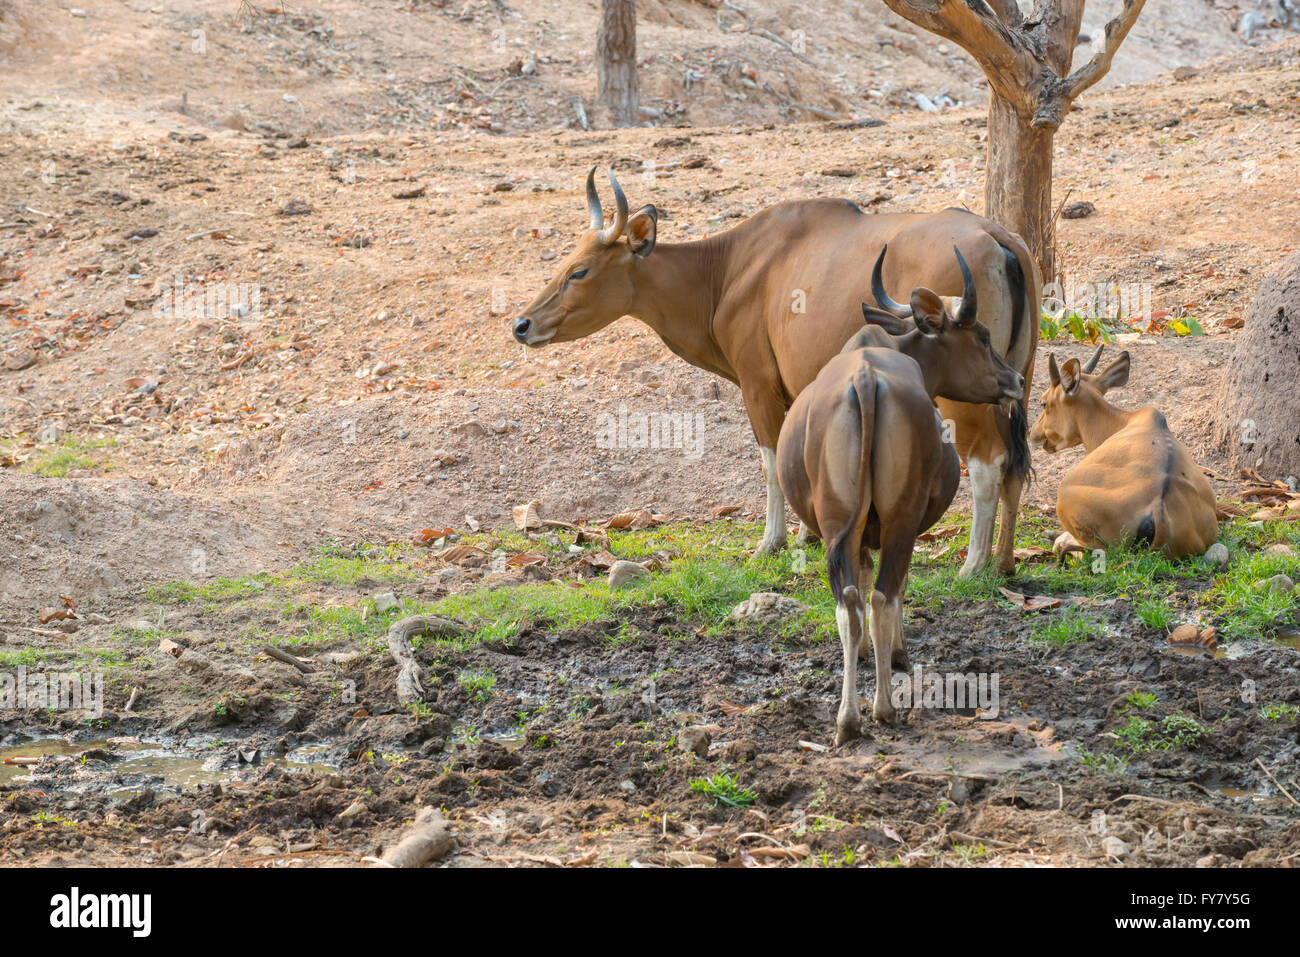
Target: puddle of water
(1194,650)
(140,764)
(1288,638)
(511,741)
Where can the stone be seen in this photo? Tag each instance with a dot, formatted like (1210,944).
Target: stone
(1256,419)
(623,573)
(767,608)
(1217,554)
(1114,847)
(385,602)
(695,740)
(1277,585)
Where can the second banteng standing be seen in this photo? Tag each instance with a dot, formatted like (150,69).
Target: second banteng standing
(866,462)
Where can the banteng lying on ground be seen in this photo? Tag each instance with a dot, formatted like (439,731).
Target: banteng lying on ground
(768,303)
(1137,483)
(866,463)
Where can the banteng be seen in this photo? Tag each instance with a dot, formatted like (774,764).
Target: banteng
(1137,483)
(864,460)
(768,303)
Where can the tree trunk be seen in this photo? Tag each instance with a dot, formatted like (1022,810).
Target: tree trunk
(1018,185)
(616,61)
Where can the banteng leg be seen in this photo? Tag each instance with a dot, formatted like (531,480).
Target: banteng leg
(774,532)
(1010,501)
(843,568)
(985,483)
(887,614)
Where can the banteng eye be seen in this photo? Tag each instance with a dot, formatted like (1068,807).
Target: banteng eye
(577,274)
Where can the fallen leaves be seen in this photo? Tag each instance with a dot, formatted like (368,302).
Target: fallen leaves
(1029,602)
(635,519)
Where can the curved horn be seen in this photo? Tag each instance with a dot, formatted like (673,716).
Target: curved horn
(882,297)
(615,229)
(593,201)
(1053,372)
(969,305)
(1092,363)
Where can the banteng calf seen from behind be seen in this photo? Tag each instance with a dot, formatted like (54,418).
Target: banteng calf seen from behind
(1137,483)
(866,462)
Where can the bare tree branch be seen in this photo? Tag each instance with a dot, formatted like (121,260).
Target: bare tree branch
(1008,11)
(1057,23)
(1007,61)
(1096,68)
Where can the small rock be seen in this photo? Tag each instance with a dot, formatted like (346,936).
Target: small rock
(694,740)
(352,810)
(1185,635)
(1114,847)
(767,608)
(1277,585)
(386,601)
(169,647)
(627,787)
(1217,554)
(1079,210)
(1280,549)
(623,573)
(740,750)
(1186,73)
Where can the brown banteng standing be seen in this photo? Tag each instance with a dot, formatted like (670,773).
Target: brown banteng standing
(864,461)
(1137,483)
(768,303)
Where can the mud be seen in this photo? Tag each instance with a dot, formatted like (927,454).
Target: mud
(573,757)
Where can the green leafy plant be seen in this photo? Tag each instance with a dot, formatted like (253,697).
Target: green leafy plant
(724,789)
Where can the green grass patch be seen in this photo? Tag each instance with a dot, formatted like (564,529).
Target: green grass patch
(1067,628)
(724,789)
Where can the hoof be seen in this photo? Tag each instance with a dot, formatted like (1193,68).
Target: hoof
(968,570)
(846,733)
(767,547)
(882,716)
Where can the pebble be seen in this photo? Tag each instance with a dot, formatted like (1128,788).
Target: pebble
(767,607)
(1217,554)
(386,601)
(694,740)
(623,573)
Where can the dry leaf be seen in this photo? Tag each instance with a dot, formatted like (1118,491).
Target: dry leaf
(939,534)
(637,518)
(525,558)
(722,510)
(1032,553)
(1030,602)
(527,516)
(796,853)
(459,553)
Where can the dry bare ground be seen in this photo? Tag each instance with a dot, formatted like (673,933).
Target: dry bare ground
(394,181)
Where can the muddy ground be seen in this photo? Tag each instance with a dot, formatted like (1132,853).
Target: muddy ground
(553,745)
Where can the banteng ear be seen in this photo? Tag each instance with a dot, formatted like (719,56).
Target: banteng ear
(641,230)
(1115,374)
(1071,376)
(886,320)
(1053,372)
(928,312)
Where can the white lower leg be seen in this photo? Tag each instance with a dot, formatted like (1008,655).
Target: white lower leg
(985,483)
(849,722)
(774,533)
